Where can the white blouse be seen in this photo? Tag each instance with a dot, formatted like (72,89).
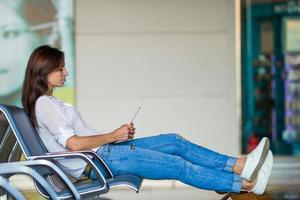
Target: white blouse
(58,121)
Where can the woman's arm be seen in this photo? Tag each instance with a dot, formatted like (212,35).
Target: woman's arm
(123,133)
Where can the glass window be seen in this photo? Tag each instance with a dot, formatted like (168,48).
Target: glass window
(271,74)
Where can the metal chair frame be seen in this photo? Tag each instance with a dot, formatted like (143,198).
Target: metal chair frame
(35,150)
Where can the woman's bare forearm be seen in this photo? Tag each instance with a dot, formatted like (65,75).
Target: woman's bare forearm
(78,143)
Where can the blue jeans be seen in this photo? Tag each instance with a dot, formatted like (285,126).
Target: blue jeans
(170,156)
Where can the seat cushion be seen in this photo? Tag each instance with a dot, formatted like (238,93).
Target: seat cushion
(128,180)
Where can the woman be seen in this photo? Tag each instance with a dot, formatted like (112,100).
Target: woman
(166,156)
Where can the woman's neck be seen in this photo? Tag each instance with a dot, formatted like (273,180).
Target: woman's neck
(50,92)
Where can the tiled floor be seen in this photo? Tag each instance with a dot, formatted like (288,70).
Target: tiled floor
(183,193)
(189,193)
(162,194)
(284,183)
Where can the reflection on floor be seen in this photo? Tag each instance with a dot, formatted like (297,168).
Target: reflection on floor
(189,193)
(283,192)
(291,192)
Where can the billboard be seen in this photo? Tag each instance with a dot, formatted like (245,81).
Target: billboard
(25,25)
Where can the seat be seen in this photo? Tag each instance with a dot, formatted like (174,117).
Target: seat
(10,189)
(33,149)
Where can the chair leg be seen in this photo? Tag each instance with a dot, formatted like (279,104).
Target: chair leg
(226,196)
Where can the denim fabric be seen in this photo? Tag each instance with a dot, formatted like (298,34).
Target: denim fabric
(170,156)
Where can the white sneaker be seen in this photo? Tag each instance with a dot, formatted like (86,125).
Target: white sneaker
(255,160)
(263,175)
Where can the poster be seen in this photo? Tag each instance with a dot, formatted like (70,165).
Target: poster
(25,25)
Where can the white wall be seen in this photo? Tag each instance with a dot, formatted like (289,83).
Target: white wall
(174,58)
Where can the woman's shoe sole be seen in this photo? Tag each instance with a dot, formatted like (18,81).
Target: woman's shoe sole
(261,160)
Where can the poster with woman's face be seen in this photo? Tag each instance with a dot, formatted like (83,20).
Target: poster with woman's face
(25,25)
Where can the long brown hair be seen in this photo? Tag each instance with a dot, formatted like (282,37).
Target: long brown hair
(43,60)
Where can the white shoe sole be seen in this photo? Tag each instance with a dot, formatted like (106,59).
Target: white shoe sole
(264,175)
(253,165)
(262,159)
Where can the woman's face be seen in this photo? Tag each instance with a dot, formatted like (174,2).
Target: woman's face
(58,77)
(16,42)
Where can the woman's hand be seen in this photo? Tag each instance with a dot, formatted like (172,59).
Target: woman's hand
(124,132)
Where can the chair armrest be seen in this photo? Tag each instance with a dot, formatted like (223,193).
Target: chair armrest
(95,156)
(62,155)
(57,170)
(14,168)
